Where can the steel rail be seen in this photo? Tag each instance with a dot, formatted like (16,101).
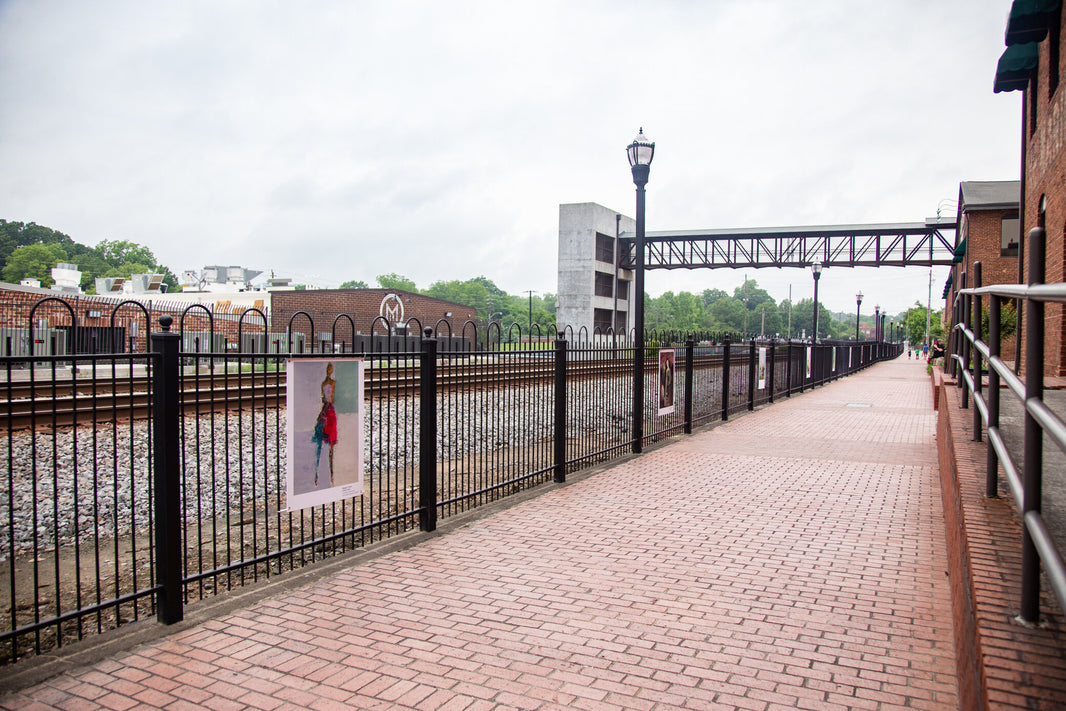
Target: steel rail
(84,400)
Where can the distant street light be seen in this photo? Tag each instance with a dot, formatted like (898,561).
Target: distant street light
(816,270)
(877,324)
(640,153)
(858,305)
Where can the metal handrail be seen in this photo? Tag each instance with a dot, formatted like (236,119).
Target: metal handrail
(1030,394)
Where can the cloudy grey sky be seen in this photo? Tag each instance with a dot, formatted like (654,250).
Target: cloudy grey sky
(342,139)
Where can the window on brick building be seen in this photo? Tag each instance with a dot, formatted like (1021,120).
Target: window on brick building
(1009,231)
(604,248)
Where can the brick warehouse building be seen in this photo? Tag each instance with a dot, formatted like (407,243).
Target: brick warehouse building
(1033,63)
(328,306)
(102,324)
(988,219)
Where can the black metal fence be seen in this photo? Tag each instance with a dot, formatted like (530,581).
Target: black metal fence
(138,483)
(975,350)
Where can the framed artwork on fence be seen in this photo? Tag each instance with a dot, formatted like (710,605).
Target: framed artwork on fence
(666,381)
(834,352)
(324,424)
(808,365)
(762,368)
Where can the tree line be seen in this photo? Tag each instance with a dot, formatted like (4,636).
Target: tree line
(29,251)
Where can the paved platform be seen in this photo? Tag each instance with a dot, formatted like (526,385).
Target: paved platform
(791,558)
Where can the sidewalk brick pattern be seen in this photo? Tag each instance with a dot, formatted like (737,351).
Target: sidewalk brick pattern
(791,558)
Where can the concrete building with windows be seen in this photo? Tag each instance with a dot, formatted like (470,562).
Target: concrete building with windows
(593,291)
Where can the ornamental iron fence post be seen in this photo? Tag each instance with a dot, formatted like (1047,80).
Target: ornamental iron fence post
(788,370)
(167,485)
(725,378)
(751,375)
(559,426)
(427,432)
(770,365)
(690,359)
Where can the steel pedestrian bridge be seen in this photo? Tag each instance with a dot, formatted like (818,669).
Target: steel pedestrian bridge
(901,244)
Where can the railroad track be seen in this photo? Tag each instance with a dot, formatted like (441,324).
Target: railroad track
(87,400)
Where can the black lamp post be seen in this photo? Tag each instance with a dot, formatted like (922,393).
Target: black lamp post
(816,270)
(640,153)
(877,324)
(858,305)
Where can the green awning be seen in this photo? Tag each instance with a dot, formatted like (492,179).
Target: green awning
(947,285)
(1016,66)
(1028,20)
(960,253)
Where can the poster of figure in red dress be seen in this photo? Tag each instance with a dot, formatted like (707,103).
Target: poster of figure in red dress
(666,381)
(324,424)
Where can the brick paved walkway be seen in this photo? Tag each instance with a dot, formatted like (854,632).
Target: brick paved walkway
(792,558)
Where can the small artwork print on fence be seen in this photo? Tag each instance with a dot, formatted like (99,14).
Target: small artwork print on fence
(807,366)
(325,431)
(762,368)
(666,381)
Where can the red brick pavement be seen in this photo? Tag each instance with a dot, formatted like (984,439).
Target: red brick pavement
(791,558)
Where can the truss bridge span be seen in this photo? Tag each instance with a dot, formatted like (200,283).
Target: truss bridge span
(900,244)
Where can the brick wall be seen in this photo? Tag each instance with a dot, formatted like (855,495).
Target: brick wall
(18,302)
(324,306)
(1045,174)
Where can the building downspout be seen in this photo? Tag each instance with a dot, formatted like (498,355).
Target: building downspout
(1021,240)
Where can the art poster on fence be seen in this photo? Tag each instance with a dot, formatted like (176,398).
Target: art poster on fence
(762,368)
(834,351)
(808,365)
(324,424)
(666,381)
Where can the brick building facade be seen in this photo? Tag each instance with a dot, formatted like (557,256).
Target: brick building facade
(1033,63)
(98,324)
(326,307)
(988,219)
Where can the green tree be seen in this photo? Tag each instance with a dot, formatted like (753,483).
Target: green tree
(395,281)
(119,252)
(33,261)
(354,284)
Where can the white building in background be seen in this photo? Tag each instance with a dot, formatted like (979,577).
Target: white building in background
(67,278)
(219,279)
(593,292)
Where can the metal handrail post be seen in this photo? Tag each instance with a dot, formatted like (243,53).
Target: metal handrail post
(975,352)
(992,459)
(1034,434)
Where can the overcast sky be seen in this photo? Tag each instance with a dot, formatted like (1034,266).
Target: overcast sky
(340,139)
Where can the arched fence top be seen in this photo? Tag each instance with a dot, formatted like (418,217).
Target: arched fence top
(147,320)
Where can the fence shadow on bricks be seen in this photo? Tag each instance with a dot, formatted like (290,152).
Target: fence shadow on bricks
(145,468)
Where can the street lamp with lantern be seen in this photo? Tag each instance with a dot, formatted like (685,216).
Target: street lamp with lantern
(640,153)
(816,270)
(877,324)
(858,305)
